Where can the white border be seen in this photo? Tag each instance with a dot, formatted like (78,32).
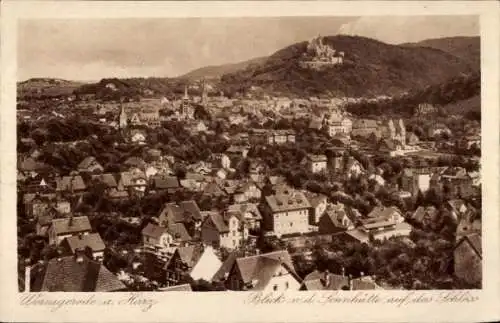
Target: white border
(230,306)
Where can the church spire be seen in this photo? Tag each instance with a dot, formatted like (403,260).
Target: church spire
(186,97)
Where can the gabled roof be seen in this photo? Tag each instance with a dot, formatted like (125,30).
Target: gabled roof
(66,274)
(108,179)
(246,208)
(69,183)
(260,268)
(91,240)
(475,241)
(135,162)
(130,178)
(325,281)
(383,212)
(183,209)
(421,212)
(87,162)
(154,231)
(71,225)
(179,232)
(218,221)
(190,254)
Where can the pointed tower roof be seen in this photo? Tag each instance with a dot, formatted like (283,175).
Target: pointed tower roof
(186,92)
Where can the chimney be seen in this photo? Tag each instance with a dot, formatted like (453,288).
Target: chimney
(78,255)
(326,278)
(27,276)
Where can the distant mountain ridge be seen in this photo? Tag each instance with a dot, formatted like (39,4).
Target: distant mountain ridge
(370,68)
(466,48)
(216,71)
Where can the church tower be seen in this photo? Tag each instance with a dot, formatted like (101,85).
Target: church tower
(123,118)
(204,93)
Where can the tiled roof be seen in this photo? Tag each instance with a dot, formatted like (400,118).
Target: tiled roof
(190,254)
(316,281)
(246,208)
(179,232)
(87,162)
(71,225)
(260,268)
(91,240)
(69,183)
(421,212)
(218,220)
(284,202)
(317,158)
(66,274)
(153,230)
(364,123)
(364,283)
(130,178)
(165,182)
(108,179)
(177,288)
(135,162)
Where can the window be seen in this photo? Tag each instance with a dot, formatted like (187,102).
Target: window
(291,223)
(286,285)
(234,243)
(234,233)
(275,287)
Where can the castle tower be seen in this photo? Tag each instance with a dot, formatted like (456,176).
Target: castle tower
(204,94)
(391,129)
(123,118)
(402,131)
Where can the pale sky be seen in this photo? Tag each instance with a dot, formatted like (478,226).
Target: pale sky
(91,49)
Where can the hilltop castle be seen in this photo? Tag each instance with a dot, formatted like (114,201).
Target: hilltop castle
(319,54)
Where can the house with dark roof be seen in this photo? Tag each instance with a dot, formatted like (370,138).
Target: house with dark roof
(225,230)
(76,273)
(318,203)
(67,227)
(135,182)
(272,271)
(325,281)
(107,179)
(162,183)
(286,212)
(468,259)
(247,191)
(425,216)
(364,127)
(91,242)
(178,267)
(186,212)
(335,219)
(90,165)
(249,212)
(71,184)
(315,163)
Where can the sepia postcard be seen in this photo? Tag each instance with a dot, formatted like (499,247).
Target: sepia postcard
(250,161)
